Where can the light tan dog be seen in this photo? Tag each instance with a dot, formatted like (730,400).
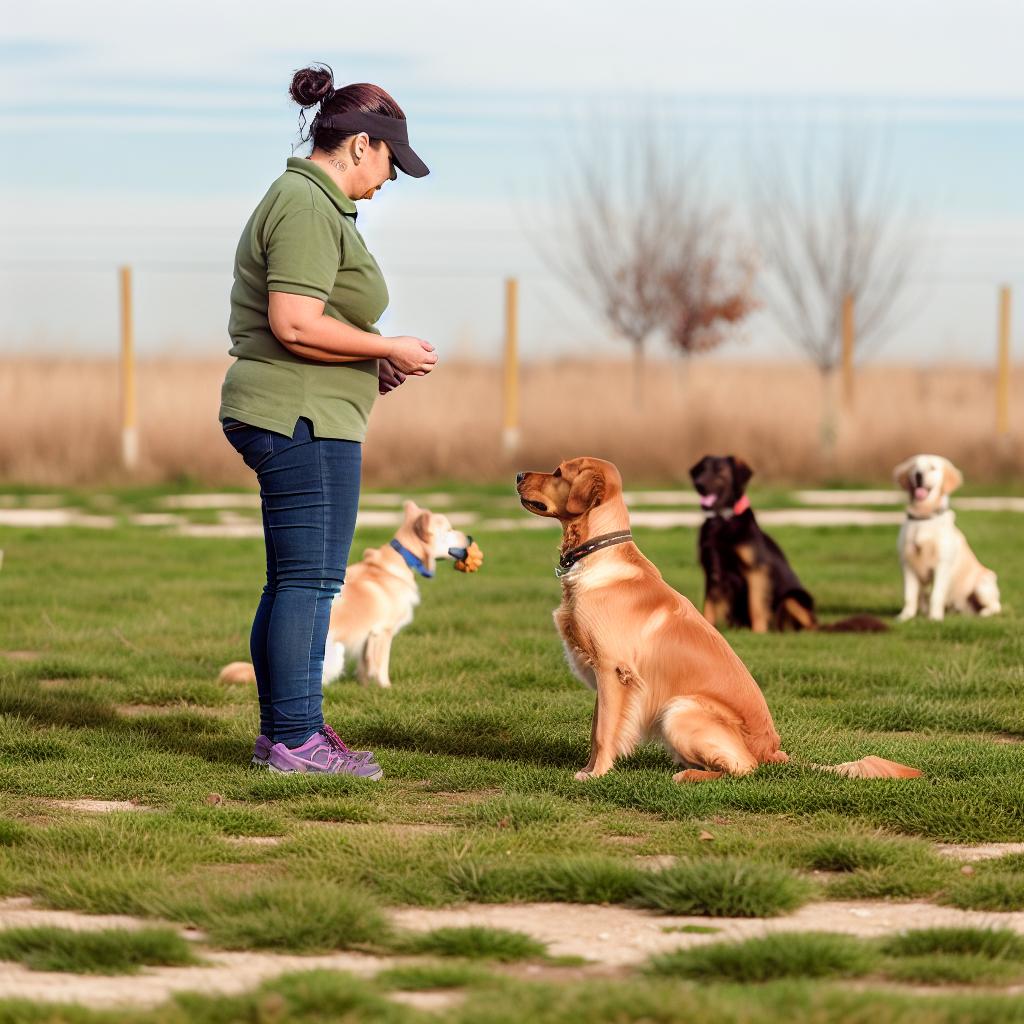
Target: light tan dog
(380,596)
(658,667)
(940,571)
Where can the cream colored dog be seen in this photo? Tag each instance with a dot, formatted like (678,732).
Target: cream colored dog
(940,571)
(379,597)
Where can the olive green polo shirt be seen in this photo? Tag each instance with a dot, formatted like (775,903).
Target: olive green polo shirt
(302,239)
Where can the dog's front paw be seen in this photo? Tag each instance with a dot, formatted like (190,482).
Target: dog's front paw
(906,615)
(582,776)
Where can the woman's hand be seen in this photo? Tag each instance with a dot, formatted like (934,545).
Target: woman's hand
(412,356)
(388,378)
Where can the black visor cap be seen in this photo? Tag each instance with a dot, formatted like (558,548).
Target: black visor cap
(392,130)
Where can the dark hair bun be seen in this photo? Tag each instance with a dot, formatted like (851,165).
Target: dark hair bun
(311,85)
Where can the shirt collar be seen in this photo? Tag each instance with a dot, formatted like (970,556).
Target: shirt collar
(316,174)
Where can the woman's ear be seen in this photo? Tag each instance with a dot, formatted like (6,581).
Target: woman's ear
(587,491)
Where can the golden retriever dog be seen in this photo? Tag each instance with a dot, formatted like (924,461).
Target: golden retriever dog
(659,668)
(380,595)
(940,571)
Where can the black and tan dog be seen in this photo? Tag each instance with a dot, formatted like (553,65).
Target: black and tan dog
(748,581)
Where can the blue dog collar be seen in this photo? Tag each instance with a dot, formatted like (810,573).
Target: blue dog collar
(411,560)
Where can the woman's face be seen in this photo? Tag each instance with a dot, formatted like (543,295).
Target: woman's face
(375,166)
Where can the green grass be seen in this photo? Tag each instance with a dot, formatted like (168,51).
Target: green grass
(424,977)
(111,951)
(479,739)
(723,888)
(992,887)
(286,915)
(477,943)
(786,955)
(314,997)
(993,943)
(933,956)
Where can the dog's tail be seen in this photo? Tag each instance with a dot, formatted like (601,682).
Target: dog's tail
(871,767)
(237,672)
(854,624)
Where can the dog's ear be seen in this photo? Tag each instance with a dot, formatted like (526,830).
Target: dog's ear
(741,472)
(698,467)
(411,510)
(421,527)
(901,474)
(587,491)
(952,478)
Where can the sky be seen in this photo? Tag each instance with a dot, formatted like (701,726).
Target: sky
(145,133)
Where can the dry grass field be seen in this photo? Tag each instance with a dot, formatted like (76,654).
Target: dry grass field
(59,422)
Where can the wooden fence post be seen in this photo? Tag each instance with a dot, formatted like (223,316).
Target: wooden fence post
(510,425)
(1003,363)
(849,339)
(129,421)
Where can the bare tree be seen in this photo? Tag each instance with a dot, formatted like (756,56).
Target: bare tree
(639,229)
(833,227)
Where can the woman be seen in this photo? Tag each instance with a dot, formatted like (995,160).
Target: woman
(309,364)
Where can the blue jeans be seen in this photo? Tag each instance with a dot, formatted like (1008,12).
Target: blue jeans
(309,491)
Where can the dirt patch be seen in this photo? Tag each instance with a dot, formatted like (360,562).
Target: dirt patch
(148,710)
(433,1000)
(20,912)
(29,517)
(22,655)
(255,840)
(655,862)
(155,519)
(669,519)
(984,851)
(53,684)
(207,501)
(226,974)
(619,936)
(624,840)
(97,806)
(410,829)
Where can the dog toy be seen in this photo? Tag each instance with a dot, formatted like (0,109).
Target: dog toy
(469,558)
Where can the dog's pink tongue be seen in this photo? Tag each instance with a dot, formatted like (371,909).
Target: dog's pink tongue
(707,500)
(920,493)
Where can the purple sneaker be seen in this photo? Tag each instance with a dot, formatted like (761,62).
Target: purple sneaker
(321,754)
(263,746)
(261,752)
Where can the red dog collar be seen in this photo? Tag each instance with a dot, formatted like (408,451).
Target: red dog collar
(741,506)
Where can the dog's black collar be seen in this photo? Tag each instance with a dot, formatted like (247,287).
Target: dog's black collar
(606,540)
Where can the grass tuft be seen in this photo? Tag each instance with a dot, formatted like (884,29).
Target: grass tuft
(951,970)
(786,955)
(725,887)
(111,951)
(994,943)
(988,890)
(580,879)
(424,977)
(294,916)
(476,942)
